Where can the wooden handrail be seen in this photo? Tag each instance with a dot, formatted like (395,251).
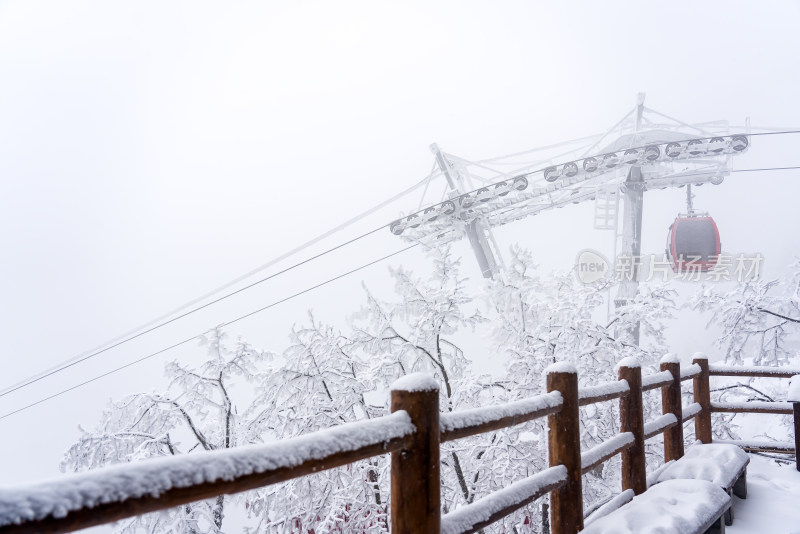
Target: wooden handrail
(603,392)
(98,497)
(605,451)
(690,411)
(752,371)
(656,380)
(778,447)
(485,511)
(690,372)
(464,423)
(782,408)
(659,425)
(412,434)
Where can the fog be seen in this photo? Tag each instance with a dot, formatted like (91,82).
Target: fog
(151,151)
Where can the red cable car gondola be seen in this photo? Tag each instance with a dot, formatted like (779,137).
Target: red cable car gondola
(693,240)
(693,243)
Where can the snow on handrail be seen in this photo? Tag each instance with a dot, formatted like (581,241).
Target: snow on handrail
(690,411)
(603,392)
(455,425)
(599,454)
(659,424)
(760,444)
(120,491)
(690,371)
(117,492)
(656,380)
(716,369)
(784,408)
(473,517)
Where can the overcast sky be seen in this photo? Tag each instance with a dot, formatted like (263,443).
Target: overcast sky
(151,151)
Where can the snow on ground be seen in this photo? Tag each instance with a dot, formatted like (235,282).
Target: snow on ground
(773,494)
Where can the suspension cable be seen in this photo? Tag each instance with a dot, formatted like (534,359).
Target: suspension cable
(187,340)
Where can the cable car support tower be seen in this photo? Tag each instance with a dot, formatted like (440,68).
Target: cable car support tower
(643,151)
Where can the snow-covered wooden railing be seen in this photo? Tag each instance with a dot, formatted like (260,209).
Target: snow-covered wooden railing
(456,425)
(412,434)
(789,407)
(113,493)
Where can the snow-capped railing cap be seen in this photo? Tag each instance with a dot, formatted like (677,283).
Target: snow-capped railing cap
(631,362)
(794,389)
(560,367)
(416,382)
(670,357)
(699,356)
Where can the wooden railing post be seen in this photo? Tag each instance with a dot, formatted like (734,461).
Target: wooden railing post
(796,407)
(564,445)
(415,468)
(671,403)
(794,398)
(702,396)
(634,468)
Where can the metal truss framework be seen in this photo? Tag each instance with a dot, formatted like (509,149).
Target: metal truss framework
(667,153)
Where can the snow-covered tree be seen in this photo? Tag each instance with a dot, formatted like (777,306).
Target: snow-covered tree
(322,383)
(413,334)
(197,411)
(537,321)
(759,324)
(759,319)
(329,376)
(324,378)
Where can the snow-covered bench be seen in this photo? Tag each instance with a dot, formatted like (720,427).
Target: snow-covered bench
(721,464)
(705,478)
(671,507)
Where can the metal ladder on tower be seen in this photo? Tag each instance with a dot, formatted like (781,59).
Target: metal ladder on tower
(606,206)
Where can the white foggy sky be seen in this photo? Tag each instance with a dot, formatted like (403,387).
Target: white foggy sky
(150,151)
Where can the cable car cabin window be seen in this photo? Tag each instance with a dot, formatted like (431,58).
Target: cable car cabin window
(696,237)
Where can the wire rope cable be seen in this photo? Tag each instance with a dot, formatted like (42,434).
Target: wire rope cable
(240,318)
(767,169)
(160,321)
(138,332)
(222,325)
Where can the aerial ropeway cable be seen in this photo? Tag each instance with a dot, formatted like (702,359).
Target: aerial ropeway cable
(184,311)
(514,198)
(196,336)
